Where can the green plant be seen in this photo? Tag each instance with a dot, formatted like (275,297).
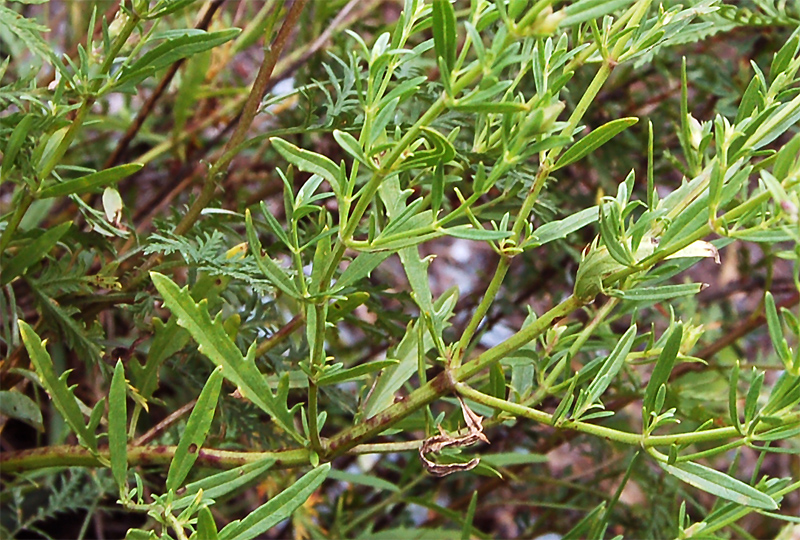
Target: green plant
(299,343)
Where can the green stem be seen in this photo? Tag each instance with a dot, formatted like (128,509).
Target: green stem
(634,439)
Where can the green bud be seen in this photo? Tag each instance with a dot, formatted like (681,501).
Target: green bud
(597,264)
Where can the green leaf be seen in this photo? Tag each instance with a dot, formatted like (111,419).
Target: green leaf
(356,372)
(466,529)
(15,142)
(140,534)
(786,158)
(594,140)
(659,294)
(585,10)
(32,253)
(350,145)
(186,43)
(359,268)
(117,426)
(206,527)
(468,232)
(556,230)
(508,459)
(662,369)
(364,480)
(720,484)
(18,405)
(275,274)
(444,32)
(90,182)
(276,509)
(196,430)
(218,347)
(220,484)
(776,331)
(611,366)
(63,398)
(311,162)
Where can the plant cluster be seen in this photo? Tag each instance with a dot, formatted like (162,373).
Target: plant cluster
(232,305)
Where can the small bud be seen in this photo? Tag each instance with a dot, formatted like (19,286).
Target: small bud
(547,22)
(695,132)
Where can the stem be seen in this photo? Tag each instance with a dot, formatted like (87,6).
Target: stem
(246,118)
(78,456)
(634,439)
(445,381)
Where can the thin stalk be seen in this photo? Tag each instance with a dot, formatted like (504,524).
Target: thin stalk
(443,383)
(246,118)
(633,439)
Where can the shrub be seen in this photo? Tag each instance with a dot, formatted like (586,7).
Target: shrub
(415,232)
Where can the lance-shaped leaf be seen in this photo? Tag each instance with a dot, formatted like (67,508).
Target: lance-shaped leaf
(63,398)
(275,274)
(220,484)
(218,347)
(312,162)
(444,31)
(664,365)
(196,430)
(594,140)
(276,509)
(607,372)
(90,182)
(32,253)
(720,484)
(117,422)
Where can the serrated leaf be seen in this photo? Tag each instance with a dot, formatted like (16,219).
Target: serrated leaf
(63,398)
(720,484)
(90,182)
(196,430)
(594,140)
(276,509)
(218,347)
(117,426)
(33,253)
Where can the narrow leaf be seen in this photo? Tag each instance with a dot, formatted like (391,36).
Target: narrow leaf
(32,253)
(444,32)
(18,405)
(117,426)
(196,430)
(720,484)
(276,509)
(220,484)
(275,274)
(90,182)
(218,347)
(594,140)
(663,367)
(310,162)
(64,400)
